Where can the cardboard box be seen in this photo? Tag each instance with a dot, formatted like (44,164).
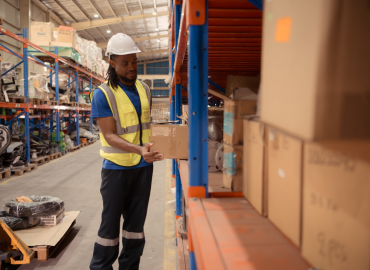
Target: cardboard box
(315,68)
(170,140)
(233,167)
(285,183)
(234,112)
(255,164)
(42,33)
(239,82)
(336,205)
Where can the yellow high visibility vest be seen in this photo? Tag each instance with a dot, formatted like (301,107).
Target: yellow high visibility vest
(127,122)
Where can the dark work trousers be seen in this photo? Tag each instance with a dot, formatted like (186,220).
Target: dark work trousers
(126,193)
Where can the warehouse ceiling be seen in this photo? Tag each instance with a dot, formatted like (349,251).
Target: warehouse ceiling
(145,21)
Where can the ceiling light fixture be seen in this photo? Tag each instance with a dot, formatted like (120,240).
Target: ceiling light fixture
(154,13)
(156,29)
(158,40)
(96,16)
(108,31)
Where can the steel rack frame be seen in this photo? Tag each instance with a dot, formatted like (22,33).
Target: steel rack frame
(80,74)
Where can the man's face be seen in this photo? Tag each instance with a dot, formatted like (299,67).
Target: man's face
(126,67)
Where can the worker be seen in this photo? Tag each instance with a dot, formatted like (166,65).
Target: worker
(121,106)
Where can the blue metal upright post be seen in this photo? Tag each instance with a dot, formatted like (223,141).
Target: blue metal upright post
(91,120)
(27,115)
(57,121)
(198,102)
(172,104)
(178,109)
(77,112)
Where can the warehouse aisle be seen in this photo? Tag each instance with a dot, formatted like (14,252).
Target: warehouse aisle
(75,178)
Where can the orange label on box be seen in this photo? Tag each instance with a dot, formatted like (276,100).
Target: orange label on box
(283,29)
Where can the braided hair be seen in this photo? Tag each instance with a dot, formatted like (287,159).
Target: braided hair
(112,76)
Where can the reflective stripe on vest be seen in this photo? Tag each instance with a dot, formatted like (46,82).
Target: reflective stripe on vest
(127,123)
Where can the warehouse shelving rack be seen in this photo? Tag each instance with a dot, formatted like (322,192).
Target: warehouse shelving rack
(210,39)
(57,65)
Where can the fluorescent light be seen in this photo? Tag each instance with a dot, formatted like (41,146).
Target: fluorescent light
(96,16)
(154,13)
(156,29)
(108,31)
(158,40)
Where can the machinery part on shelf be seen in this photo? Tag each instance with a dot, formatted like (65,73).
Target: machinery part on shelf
(213,146)
(5,138)
(34,153)
(12,247)
(15,155)
(215,132)
(42,206)
(18,223)
(5,141)
(220,157)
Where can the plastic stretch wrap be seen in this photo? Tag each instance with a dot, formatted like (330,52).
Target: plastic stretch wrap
(42,206)
(84,133)
(17,223)
(5,66)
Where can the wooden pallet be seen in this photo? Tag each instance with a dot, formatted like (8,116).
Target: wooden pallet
(40,160)
(5,174)
(17,99)
(183,252)
(83,144)
(43,102)
(44,252)
(55,156)
(74,148)
(72,104)
(29,168)
(90,142)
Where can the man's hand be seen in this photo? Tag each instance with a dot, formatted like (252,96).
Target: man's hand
(150,157)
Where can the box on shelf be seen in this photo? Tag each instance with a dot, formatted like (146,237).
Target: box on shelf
(52,220)
(233,167)
(42,33)
(285,183)
(336,205)
(236,84)
(170,140)
(255,164)
(234,112)
(315,68)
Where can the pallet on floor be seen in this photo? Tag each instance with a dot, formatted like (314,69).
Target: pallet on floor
(29,168)
(84,144)
(55,156)
(74,148)
(43,253)
(40,160)
(90,142)
(5,174)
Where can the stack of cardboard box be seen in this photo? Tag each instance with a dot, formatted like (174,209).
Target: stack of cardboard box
(307,161)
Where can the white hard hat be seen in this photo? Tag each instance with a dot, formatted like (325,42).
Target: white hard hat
(121,44)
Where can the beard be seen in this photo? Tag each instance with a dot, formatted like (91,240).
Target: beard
(127,80)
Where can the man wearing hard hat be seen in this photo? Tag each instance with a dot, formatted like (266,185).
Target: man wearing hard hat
(121,106)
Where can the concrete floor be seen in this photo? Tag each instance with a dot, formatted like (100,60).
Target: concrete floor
(75,178)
